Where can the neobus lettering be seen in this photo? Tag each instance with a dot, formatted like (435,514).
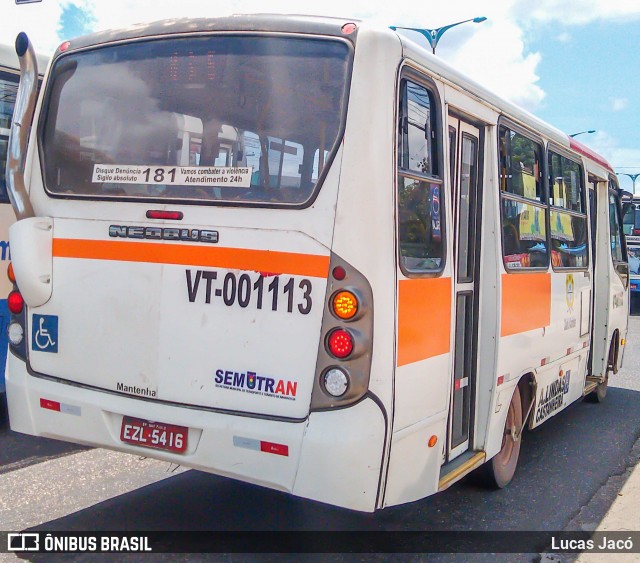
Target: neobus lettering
(157,233)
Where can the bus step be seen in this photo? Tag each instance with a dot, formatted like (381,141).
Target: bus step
(590,386)
(455,470)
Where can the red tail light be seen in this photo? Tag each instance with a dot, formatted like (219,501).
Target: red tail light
(15,302)
(340,343)
(636,231)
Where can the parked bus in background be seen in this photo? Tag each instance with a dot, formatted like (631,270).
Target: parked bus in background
(9,78)
(631,226)
(366,278)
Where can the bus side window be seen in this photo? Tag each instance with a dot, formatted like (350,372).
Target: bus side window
(568,218)
(420,216)
(523,202)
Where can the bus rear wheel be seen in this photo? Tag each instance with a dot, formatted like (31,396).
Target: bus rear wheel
(502,467)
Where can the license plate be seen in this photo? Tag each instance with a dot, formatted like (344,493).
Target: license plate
(156,435)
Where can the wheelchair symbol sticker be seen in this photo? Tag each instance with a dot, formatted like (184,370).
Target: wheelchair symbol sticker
(44,333)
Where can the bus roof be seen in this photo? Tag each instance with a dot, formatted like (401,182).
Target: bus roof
(322,25)
(316,25)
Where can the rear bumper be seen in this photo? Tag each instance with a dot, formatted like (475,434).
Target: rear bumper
(333,457)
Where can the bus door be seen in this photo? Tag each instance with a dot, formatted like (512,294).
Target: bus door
(466,166)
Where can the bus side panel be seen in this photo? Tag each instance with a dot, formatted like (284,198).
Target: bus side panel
(525,315)
(365,218)
(557,387)
(422,391)
(424,334)
(356,438)
(414,468)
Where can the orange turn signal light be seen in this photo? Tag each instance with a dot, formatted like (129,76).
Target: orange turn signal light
(345,305)
(10,274)
(433,441)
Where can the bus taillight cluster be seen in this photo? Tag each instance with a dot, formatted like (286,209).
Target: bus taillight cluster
(347,326)
(15,303)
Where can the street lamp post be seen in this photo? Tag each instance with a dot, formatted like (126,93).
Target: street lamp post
(633,177)
(434,35)
(581,132)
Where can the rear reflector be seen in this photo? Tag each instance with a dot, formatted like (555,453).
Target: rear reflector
(271,448)
(60,407)
(461,383)
(260,446)
(172,215)
(51,405)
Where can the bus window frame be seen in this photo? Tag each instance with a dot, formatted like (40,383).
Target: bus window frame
(614,190)
(46,105)
(560,151)
(502,195)
(409,71)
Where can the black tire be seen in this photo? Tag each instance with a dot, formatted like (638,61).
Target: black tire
(499,472)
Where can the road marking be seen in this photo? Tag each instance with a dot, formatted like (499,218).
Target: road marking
(55,488)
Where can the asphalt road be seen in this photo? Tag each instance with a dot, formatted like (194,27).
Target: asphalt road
(570,470)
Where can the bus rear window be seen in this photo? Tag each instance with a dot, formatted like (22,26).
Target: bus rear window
(230,119)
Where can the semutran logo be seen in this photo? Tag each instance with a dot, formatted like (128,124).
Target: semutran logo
(251,382)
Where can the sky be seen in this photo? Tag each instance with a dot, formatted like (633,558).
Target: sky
(573,63)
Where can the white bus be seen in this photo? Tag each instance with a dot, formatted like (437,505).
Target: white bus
(9,78)
(365,280)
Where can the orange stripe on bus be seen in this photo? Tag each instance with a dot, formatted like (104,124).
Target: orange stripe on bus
(307,265)
(424,319)
(526,302)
